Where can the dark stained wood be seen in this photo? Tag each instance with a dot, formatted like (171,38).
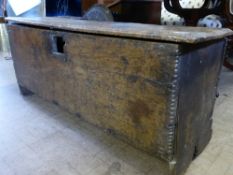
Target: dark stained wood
(141,11)
(229,24)
(140,31)
(2,20)
(199,70)
(158,96)
(86,4)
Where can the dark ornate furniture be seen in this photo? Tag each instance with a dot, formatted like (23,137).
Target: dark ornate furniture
(192,15)
(222,8)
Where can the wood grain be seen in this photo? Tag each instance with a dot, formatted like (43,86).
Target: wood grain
(134,30)
(157,96)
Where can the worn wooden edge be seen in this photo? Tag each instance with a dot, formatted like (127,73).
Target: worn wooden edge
(190,35)
(169,154)
(173,106)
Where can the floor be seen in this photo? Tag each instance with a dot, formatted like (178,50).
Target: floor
(38,138)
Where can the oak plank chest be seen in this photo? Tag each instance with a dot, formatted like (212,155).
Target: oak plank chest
(152,86)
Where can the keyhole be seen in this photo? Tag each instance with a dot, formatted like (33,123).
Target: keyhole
(58,47)
(60,44)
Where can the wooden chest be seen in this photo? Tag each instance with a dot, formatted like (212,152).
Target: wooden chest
(151,86)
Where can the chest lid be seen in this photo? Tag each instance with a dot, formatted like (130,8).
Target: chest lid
(173,34)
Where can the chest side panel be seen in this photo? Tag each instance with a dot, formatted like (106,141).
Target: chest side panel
(200,67)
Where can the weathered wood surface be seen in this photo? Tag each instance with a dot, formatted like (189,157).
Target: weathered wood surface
(140,31)
(120,84)
(199,69)
(157,96)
